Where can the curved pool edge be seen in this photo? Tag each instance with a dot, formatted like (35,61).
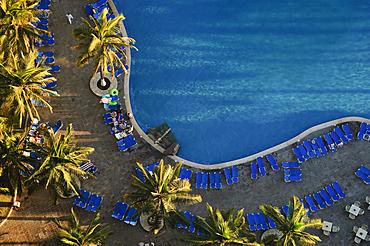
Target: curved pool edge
(126,88)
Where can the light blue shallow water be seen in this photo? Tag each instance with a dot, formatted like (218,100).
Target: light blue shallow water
(232,78)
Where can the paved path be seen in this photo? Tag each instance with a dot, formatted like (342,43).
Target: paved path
(31,224)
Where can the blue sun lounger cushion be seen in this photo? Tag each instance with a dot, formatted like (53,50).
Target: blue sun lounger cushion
(114,107)
(120,142)
(330,142)
(365,170)
(362,131)
(332,193)
(340,133)
(117,209)
(271,222)
(49,85)
(293,164)
(129,141)
(326,197)
(78,199)
(45,28)
(303,152)
(107,116)
(52,69)
(187,215)
(347,131)
(85,199)
(261,166)
(292,178)
(315,147)
(122,211)
(44,3)
(311,203)
(204,181)
(228,177)
(362,176)
(212,181)
(140,174)
(57,126)
(298,154)
(184,174)
(91,202)
(257,220)
(254,170)
(42,22)
(198,180)
(42,15)
(305,206)
(292,172)
(309,149)
(131,212)
(319,201)
(134,219)
(122,148)
(234,172)
(272,162)
(322,146)
(108,121)
(98,4)
(191,226)
(263,221)
(179,222)
(336,139)
(218,180)
(89,11)
(251,223)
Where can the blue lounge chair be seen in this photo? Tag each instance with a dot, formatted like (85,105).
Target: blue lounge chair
(362,131)
(114,107)
(187,215)
(129,141)
(52,69)
(347,131)
(212,181)
(367,133)
(303,152)
(111,17)
(53,93)
(332,193)
(49,54)
(254,170)
(107,116)
(271,222)
(286,210)
(44,3)
(218,180)
(140,174)
(35,155)
(309,149)
(272,162)
(315,147)
(191,226)
(340,134)
(204,181)
(179,222)
(263,221)
(122,148)
(42,15)
(85,199)
(42,22)
(130,212)
(251,223)
(78,198)
(319,200)
(114,98)
(134,219)
(336,139)
(117,209)
(49,85)
(322,147)
(120,142)
(292,178)
(292,172)
(305,206)
(258,222)
(57,126)
(261,166)
(46,61)
(365,170)
(198,181)
(311,203)
(228,176)
(362,176)
(326,197)
(90,12)
(45,28)
(40,43)
(298,154)
(43,7)
(183,174)
(38,103)
(330,142)
(294,164)
(119,72)
(98,4)
(122,212)
(91,202)
(234,172)
(108,121)
(339,190)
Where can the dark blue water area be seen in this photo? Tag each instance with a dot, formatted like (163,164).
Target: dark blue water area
(233,78)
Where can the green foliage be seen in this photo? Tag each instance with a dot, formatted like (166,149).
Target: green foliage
(74,234)
(293,225)
(160,195)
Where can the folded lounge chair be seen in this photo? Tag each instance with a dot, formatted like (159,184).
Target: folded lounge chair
(340,134)
(347,131)
(198,181)
(294,164)
(339,190)
(311,203)
(315,147)
(319,200)
(322,146)
(218,180)
(298,154)
(272,162)
(309,149)
(362,131)
(234,172)
(261,166)
(330,142)
(326,197)
(204,181)
(228,176)
(332,193)
(254,170)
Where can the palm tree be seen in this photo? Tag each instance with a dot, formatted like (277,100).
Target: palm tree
(11,164)
(160,194)
(222,228)
(293,225)
(73,234)
(20,81)
(101,43)
(17,34)
(60,162)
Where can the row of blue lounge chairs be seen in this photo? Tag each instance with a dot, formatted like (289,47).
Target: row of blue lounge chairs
(123,212)
(260,165)
(201,181)
(316,147)
(364,174)
(126,143)
(90,203)
(96,9)
(258,221)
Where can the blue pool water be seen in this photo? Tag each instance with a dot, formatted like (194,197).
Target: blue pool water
(232,78)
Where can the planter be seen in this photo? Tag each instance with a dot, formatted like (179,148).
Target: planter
(68,193)
(144,222)
(100,89)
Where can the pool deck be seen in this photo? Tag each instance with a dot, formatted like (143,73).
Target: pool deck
(31,225)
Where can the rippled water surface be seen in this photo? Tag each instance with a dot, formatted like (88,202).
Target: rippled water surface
(232,78)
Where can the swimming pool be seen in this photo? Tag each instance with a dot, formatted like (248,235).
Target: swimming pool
(232,78)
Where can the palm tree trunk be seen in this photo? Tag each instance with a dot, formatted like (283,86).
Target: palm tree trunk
(102,76)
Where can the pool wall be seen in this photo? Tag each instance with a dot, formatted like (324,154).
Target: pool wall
(126,87)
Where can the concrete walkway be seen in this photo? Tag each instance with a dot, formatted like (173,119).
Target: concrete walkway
(31,224)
